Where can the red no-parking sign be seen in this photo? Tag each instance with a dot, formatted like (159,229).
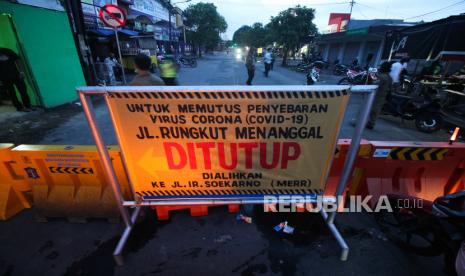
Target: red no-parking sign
(113,16)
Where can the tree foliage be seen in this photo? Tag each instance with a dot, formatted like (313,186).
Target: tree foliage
(291,27)
(254,35)
(258,35)
(204,25)
(241,35)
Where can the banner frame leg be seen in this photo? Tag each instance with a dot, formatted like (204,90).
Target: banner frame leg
(103,153)
(118,252)
(129,221)
(337,235)
(354,145)
(349,164)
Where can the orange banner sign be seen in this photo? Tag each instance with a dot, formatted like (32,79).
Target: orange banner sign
(227,142)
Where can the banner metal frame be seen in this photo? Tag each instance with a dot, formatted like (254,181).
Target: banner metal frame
(129,219)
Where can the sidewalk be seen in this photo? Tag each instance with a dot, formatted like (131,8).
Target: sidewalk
(30,127)
(8,112)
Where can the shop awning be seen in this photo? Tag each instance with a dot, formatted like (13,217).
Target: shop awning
(109,32)
(128,32)
(101,32)
(438,40)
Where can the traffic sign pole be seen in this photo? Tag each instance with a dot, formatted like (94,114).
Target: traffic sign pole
(120,56)
(114,17)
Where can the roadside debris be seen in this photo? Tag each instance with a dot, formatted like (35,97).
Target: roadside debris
(284,227)
(223,238)
(244,218)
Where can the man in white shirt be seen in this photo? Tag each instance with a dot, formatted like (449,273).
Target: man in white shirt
(112,67)
(267,58)
(396,71)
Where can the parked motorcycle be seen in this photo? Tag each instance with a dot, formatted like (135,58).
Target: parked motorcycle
(302,66)
(306,66)
(355,77)
(409,85)
(187,61)
(453,110)
(313,75)
(423,108)
(428,228)
(324,64)
(340,69)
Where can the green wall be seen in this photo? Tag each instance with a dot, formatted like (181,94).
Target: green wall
(46,38)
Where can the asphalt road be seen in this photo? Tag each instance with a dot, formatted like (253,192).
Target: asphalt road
(221,69)
(217,244)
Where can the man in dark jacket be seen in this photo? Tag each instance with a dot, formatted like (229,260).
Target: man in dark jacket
(11,77)
(249,64)
(384,86)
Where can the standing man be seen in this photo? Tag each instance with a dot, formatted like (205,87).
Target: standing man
(384,85)
(144,77)
(114,66)
(11,77)
(267,58)
(249,64)
(397,69)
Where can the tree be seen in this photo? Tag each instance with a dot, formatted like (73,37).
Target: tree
(254,35)
(204,25)
(257,35)
(241,35)
(292,26)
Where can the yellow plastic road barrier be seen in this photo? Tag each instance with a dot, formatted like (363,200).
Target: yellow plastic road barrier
(69,181)
(11,201)
(12,184)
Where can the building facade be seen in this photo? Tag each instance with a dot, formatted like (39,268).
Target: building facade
(363,38)
(152,27)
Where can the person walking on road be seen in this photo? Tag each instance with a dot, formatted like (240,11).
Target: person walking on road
(249,64)
(267,58)
(168,69)
(384,86)
(144,78)
(11,76)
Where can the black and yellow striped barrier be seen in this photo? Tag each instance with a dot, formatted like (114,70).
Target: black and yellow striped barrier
(409,153)
(231,192)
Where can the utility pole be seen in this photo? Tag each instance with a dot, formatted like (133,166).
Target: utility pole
(169,20)
(352,3)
